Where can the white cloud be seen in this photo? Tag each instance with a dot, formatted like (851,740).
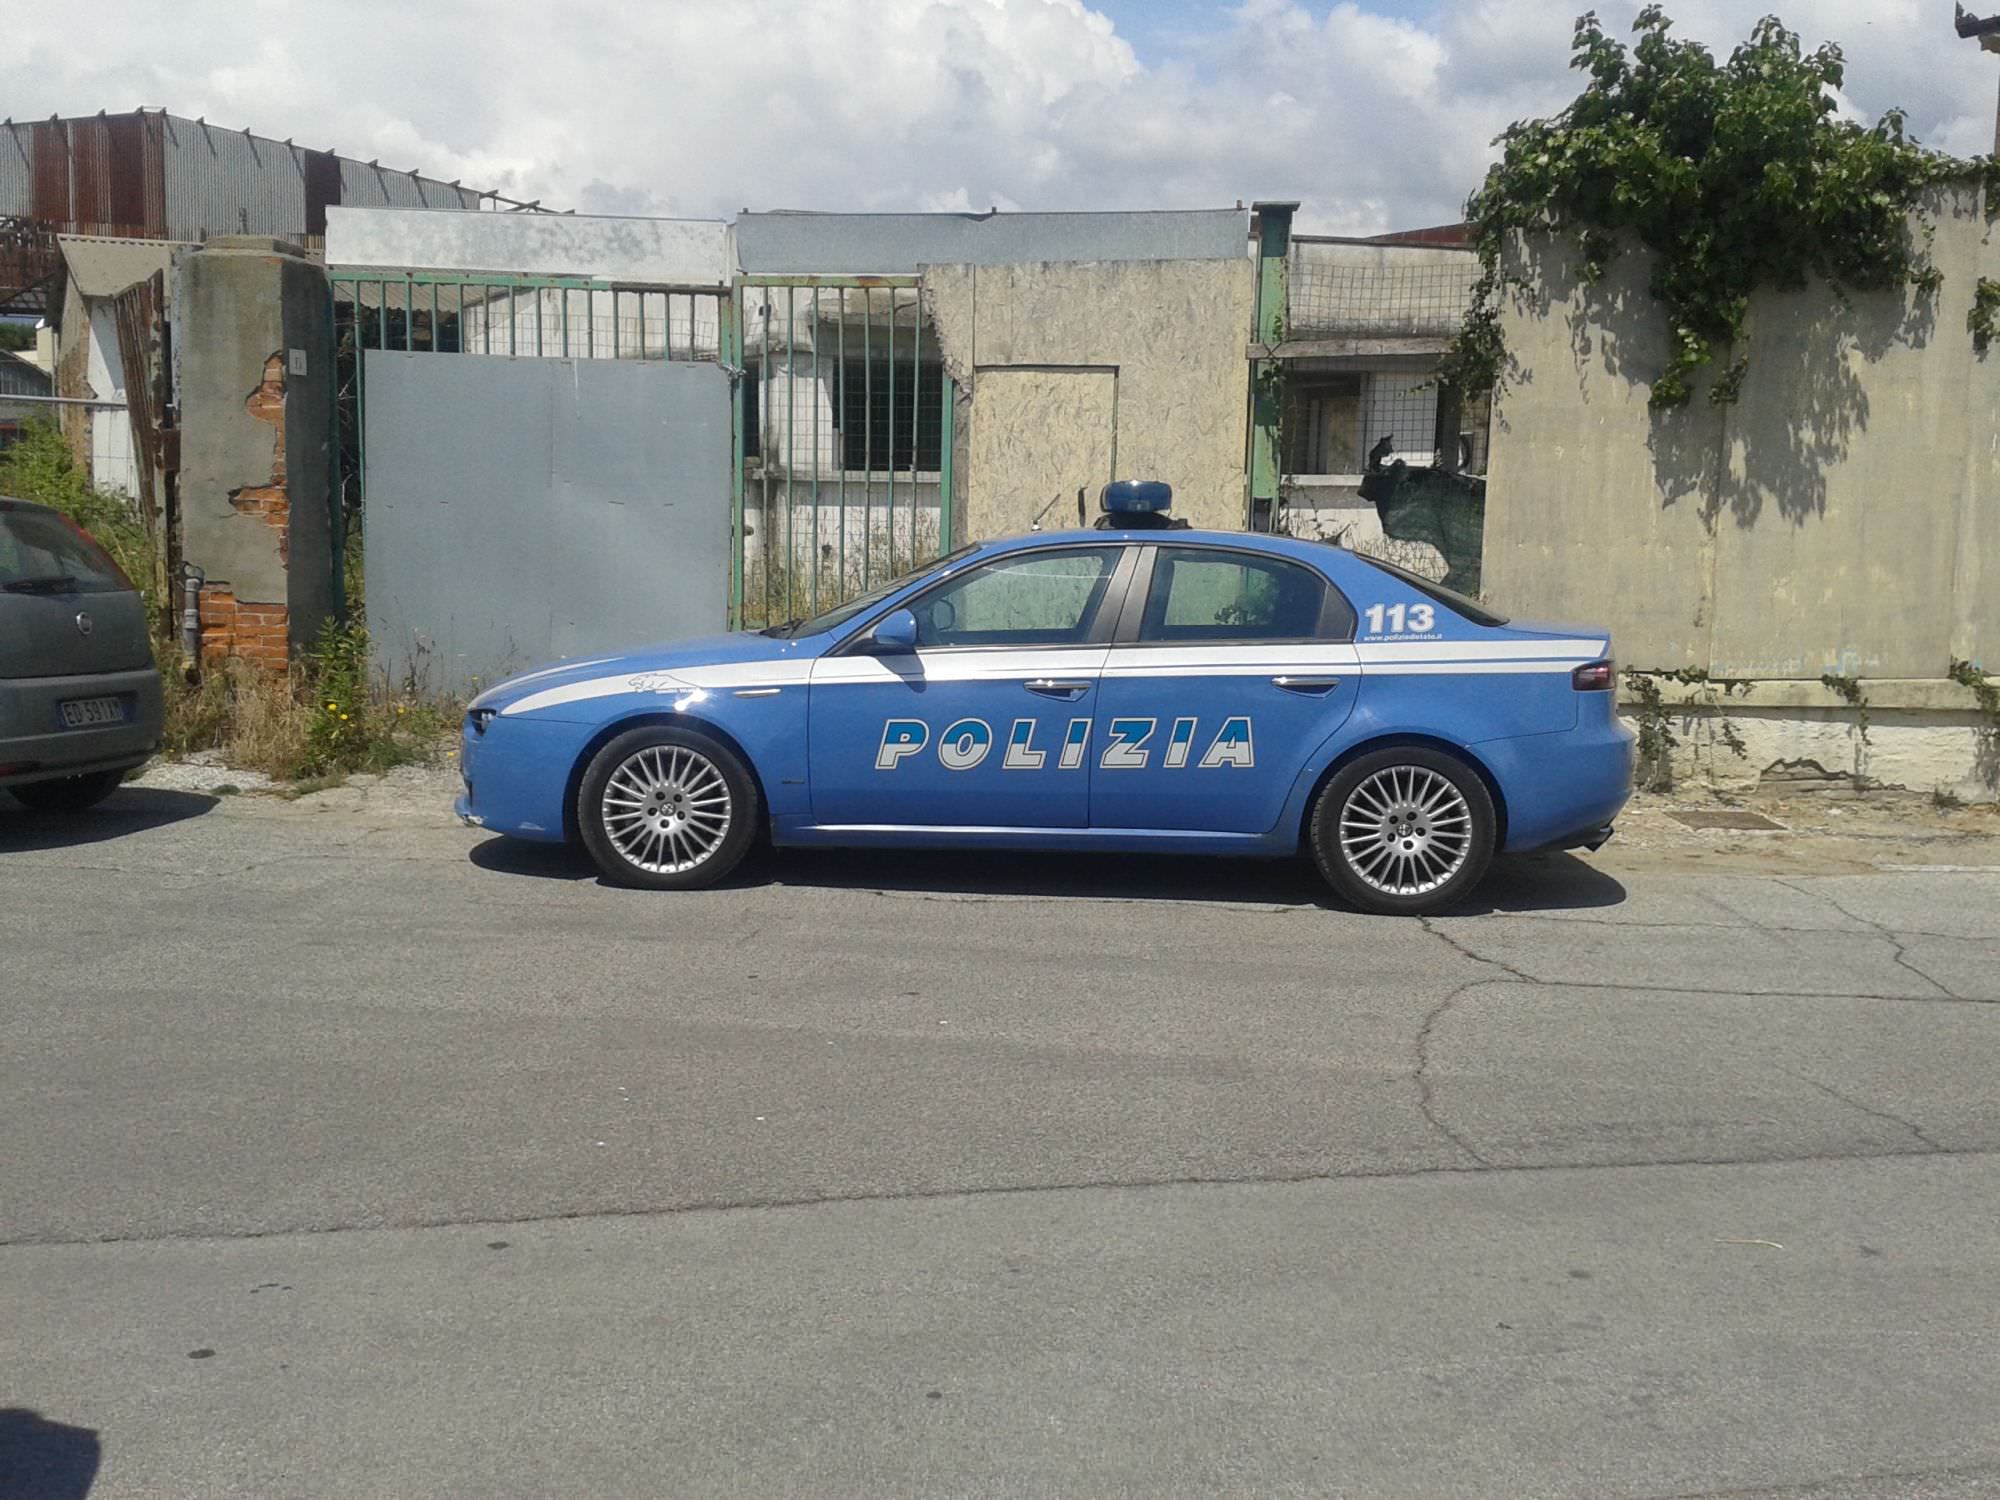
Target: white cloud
(707,106)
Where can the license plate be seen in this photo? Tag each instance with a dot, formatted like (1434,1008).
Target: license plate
(84,713)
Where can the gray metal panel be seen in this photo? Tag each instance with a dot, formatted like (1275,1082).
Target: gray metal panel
(363,186)
(891,244)
(17,168)
(521,511)
(231,182)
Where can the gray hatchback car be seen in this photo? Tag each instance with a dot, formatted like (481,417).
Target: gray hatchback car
(80,698)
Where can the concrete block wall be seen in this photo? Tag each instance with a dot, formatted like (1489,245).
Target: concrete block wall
(1834,519)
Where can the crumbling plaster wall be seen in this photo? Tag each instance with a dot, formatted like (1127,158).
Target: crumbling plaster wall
(1123,369)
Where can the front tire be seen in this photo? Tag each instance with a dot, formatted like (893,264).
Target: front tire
(1405,831)
(70,794)
(667,809)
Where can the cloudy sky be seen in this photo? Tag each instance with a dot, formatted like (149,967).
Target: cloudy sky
(1376,113)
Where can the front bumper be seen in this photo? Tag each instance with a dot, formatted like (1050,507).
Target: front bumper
(516,775)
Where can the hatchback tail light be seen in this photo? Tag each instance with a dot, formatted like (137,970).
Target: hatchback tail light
(1595,677)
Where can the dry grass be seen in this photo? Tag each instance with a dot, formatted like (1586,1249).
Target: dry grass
(316,721)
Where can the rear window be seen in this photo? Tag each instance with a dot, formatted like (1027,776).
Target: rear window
(39,550)
(1451,599)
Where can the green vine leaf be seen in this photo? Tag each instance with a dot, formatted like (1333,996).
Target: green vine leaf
(1736,175)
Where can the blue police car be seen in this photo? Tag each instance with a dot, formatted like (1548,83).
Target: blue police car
(1138,686)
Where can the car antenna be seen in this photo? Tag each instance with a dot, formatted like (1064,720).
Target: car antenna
(1036,524)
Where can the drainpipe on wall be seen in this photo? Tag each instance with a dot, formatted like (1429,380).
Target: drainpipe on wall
(192,578)
(1272,225)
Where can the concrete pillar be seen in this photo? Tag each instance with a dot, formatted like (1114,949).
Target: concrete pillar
(255,342)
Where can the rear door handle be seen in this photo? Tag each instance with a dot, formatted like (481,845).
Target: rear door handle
(1058,687)
(1311,686)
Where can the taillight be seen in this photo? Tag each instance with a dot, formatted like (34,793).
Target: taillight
(1596,677)
(97,548)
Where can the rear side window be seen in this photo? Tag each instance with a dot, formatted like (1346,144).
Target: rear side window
(1451,599)
(1203,595)
(39,550)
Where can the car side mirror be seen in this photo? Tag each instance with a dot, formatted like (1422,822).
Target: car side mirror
(895,634)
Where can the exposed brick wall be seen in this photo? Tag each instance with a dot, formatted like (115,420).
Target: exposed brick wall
(241,629)
(271,502)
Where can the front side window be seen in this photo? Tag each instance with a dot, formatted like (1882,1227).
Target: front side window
(1042,599)
(1204,596)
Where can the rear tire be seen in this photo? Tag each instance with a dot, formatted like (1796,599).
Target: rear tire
(70,794)
(666,809)
(1406,831)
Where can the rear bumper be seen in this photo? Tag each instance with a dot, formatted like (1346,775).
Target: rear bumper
(32,736)
(1590,840)
(1563,790)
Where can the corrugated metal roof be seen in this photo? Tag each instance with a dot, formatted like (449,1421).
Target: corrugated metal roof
(149,173)
(105,267)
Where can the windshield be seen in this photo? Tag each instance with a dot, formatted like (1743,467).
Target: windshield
(840,614)
(41,552)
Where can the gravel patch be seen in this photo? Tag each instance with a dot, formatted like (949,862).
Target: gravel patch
(202,771)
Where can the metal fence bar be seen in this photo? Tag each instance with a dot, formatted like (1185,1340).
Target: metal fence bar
(916,411)
(791,440)
(867,433)
(614,325)
(890,427)
(840,437)
(763,443)
(409,312)
(815,488)
(729,348)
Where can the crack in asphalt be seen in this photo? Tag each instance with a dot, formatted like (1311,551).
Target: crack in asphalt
(1942,996)
(1884,931)
(935,1195)
(1420,1075)
(1867,1109)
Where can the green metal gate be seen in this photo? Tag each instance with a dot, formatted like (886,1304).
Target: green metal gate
(843,477)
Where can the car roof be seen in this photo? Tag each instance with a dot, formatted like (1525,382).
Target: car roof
(1319,554)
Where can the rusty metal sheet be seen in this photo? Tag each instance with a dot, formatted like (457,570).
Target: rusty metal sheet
(48,196)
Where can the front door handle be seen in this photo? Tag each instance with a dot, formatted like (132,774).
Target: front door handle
(1311,686)
(1058,687)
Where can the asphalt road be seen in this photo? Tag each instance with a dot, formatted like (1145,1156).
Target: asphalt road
(349,1153)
